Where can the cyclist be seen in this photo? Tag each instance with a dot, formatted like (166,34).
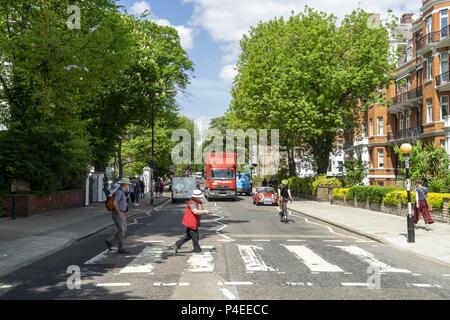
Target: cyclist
(284,194)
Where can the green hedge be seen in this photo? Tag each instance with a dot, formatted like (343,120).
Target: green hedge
(388,194)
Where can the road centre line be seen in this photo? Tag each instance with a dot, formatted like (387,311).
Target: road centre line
(235,283)
(115,284)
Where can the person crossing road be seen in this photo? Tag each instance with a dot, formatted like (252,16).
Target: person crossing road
(284,195)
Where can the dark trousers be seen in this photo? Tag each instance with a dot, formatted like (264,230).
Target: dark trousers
(190,235)
(120,221)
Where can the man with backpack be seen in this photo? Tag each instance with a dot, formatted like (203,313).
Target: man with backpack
(117,203)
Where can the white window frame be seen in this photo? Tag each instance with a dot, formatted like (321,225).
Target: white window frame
(440,22)
(429,69)
(429,111)
(371,128)
(407,120)
(444,104)
(380,156)
(380,128)
(443,54)
(429,24)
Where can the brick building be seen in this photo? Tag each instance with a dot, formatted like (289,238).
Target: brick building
(418,96)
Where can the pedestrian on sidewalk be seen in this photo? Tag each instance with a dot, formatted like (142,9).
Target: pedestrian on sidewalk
(119,217)
(191,221)
(422,206)
(142,187)
(137,192)
(156,187)
(131,192)
(161,187)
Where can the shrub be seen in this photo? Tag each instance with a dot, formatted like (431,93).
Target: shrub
(436,200)
(437,185)
(372,193)
(324,181)
(338,193)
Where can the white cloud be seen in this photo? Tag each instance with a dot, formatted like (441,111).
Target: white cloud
(186,34)
(139,7)
(228,73)
(228,20)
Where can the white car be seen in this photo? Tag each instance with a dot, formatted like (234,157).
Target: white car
(182,188)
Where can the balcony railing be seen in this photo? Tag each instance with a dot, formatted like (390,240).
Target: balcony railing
(432,37)
(408,96)
(405,134)
(443,79)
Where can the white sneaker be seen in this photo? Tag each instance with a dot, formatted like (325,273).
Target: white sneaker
(427,227)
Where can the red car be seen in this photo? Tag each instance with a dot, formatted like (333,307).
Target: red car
(266,196)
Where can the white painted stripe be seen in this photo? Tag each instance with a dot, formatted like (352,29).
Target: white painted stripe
(183,284)
(251,255)
(100,257)
(5,286)
(295,240)
(416,274)
(116,284)
(144,262)
(365,241)
(153,241)
(329,228)
(313,261)
(446,275)
(225,240)
(228,294)
(369,258)
(201,262)
(332,240)
(355,284)
(425,285)
(238,283)
(261,240)
(302,284)
(159,284)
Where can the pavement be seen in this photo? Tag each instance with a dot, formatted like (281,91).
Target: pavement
(29,239)
(248,254)
(382,227)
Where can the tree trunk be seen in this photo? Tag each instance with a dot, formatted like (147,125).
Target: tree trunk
(119,159)
(291,163)
(322,146)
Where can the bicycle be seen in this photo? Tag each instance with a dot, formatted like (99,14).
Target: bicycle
(284,212)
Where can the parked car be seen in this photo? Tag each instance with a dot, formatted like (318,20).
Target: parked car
(265,196)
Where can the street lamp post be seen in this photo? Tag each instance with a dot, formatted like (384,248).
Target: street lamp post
(406,151)
(252,167)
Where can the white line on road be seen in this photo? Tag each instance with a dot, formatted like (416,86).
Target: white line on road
(172,284)
(295,240)
(416,274)
(116,284)
(332,240)
(228,294)
(446,275)
(424,285)
(236,283)
(302,284)
(329,228)
(100,257)
(144,262)
(5,286)
(251,255)
(355,284)
(201,262)
(153,241)
(261,240)
(225,240)
(312,260)
(369,258)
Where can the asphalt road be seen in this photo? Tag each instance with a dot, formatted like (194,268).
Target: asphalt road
(247,254)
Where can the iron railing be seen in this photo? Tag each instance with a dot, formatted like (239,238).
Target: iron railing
(408,96)
(405,134)
(443,78)
(432,37)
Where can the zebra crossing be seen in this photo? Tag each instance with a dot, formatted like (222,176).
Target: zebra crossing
(255,259)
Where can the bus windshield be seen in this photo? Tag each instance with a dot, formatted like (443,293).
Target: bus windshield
(222,174)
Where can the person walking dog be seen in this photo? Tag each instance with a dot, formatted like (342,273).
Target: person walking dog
(119,217)
(191,221)
(422,206)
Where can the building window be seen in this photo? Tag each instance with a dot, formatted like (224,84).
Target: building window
(380,158)
(380,126)
(402,121)
(444,107)
(429,69)
(429,25)
(444,66)
(408,120)
(444,23)
(364,130)
(429,110)
(370,128)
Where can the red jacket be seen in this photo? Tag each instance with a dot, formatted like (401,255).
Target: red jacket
(191,220)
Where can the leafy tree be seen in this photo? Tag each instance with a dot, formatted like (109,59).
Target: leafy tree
(302,76)
(356,172)
(427,162)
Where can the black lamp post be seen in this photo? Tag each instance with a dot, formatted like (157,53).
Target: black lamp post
(406,151)
(252,167)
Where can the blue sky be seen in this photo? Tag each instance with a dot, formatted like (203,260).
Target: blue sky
(210,31)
